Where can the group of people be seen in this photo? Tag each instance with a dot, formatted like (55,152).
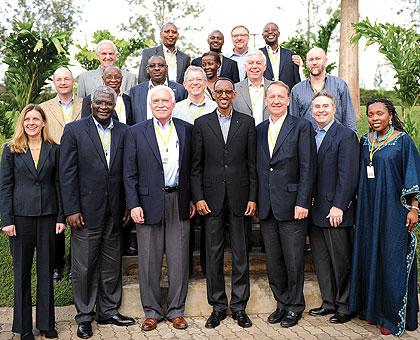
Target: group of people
(227,137)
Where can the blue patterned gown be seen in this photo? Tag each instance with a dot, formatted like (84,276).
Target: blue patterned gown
(384,270)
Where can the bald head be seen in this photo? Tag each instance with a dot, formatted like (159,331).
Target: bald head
(316,61)
(216,41)
(63,82)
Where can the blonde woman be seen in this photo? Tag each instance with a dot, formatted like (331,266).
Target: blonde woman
(31,213)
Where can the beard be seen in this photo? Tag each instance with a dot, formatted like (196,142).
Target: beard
(316,71)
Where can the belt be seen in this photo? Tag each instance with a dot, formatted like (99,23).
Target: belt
(170,189)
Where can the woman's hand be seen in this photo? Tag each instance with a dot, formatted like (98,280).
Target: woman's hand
(412,219)
(10,230)
(59,228)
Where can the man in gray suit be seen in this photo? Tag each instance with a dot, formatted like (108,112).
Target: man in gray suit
(250,91)
(176,60)
(106,52)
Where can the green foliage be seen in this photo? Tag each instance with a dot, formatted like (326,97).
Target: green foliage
(367,95)
(401,46)
(32,57)
(159,12)
(87,57)
(301,45)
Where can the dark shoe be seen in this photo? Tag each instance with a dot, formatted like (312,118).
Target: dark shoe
(291,319)
(118,320)
(276,316)
(84,330)
(27,336)
(57,275)
(321,311)
(50,334)
(214,319)
(149,324)
(179,322)
(340,318)
(243,320)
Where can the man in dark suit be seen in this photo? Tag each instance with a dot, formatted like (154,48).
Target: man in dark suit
(91,179)
(224,185)
(282,64)
(157,69)
(229,67)
(156,178)
(286,169)
(333,208)
(176,60)
(113,77)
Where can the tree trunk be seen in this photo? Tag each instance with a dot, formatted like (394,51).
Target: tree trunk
(349,53)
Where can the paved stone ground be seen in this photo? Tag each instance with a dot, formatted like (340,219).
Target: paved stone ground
(308,328)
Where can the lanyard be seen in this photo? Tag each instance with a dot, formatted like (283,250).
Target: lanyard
(256,96)
(314,89)
(170,59)
(373,149)
(67,113)
(191,113)
(165,142)
(105,142)
(274,58)
(272,139)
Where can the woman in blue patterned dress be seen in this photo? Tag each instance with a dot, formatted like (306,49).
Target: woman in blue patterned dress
(384,269)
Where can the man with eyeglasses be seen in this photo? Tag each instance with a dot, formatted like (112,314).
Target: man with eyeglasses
(224,189)
(176,60)
(157,69)
(240,39)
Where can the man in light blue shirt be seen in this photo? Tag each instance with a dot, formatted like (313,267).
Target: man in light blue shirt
(240,39)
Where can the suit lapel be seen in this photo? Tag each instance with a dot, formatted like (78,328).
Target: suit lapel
(288,125)
(77,109)
(244,91)
(179,65)
(150,135)
(264,138)
(57,111)
(29,162)
(214,124)
(235,123)
(180,131)
(282,60)
(115,141)
(266,113)
(326,142)
(93,134)
(45,150)
(269,69)
(144,90)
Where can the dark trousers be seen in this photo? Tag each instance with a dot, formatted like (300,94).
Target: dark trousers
(215,231)
(331,248)
(60,251)
(96,270)
(33,232)
(171,237)
(284,247)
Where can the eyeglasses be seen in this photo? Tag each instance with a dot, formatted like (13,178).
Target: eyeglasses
(192,80)
(227,92)
(113,77)
(239,35)
(157,65)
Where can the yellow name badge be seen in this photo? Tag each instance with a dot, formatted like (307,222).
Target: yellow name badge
(370,171)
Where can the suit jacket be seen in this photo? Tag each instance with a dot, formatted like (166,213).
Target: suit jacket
(88,185)
(286,179)
(29,191)
(90,80)
(182,62)
(87,110)
(138,96)
(242,101)
(229,68)
(219,168)
(143,170)
(337,175)
(55,117)
(289,71)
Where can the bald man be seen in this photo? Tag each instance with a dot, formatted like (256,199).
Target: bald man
(320,80)
(228,67)
(176,60)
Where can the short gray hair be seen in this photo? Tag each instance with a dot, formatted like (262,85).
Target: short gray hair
(193,68)
(103,42)
(257,53)
(277,83)
(104,90)
(324,93)
(160,88)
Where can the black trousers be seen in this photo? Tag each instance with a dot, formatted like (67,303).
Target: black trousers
(284,247)
(96,270)
(332,248)
(33,232)
(60,251)
(215,231)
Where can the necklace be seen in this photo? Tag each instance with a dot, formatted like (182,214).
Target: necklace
(381,139)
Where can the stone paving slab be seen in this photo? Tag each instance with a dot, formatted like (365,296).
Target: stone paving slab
(309,328)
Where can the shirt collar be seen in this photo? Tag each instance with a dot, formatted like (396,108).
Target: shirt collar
(167,50)
(66,104)
(281,119)
(150,86)
(223,116)
(239,55)
(204,102)
(273,51)
(158,123)
(260,85)
(99,126)
(325,128)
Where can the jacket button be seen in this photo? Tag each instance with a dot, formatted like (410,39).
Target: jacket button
(271,169)
(226,165)
(163,189)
